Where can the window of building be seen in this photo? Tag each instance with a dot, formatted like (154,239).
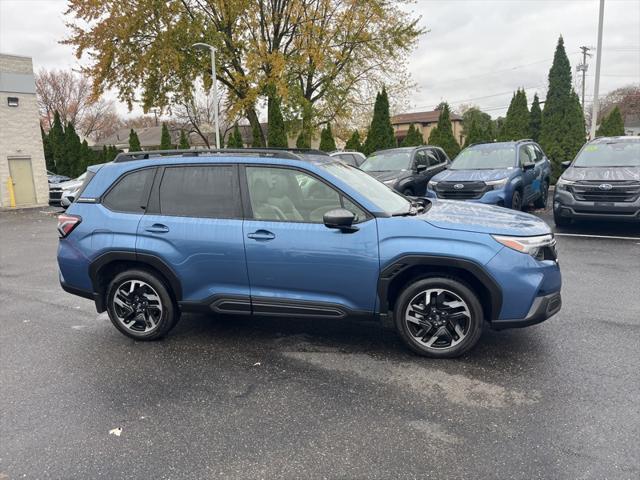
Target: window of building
(13,101)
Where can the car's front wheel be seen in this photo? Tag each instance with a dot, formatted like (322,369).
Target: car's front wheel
(439,317)
(516,200)
(140,305)
(559,220)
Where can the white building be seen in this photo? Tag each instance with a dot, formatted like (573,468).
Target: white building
(22,161)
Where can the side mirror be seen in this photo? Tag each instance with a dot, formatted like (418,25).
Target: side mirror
(566,164)
(528,166)
(341,219)
(421,167)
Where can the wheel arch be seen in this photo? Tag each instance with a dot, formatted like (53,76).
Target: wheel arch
(407,269)
(106,266)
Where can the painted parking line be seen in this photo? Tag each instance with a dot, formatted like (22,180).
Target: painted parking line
(611,237)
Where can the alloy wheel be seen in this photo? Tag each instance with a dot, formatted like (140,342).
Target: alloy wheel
(437,318)
(137,306)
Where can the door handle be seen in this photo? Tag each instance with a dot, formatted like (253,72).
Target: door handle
(261,235)
(157,228)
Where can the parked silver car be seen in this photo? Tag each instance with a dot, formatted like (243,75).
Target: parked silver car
(355,159)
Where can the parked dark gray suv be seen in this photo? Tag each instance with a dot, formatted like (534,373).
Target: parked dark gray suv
(407,169)
(601,183)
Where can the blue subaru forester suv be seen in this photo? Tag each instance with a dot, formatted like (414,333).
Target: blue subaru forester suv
(267,233)
(507,174)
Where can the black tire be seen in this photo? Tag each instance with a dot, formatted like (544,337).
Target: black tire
(407,192)
(542,201)
(559,220)
(516,200)
(166,319)
(472,328)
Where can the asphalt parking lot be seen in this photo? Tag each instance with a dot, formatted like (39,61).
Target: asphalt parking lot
(271,398)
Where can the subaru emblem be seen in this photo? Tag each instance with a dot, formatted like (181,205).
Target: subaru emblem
(458,186)
(605,186)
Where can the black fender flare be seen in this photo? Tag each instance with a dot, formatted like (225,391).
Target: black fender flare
(153,261)
(401,264)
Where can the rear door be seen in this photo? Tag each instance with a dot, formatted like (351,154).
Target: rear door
(194,224)
(297,266)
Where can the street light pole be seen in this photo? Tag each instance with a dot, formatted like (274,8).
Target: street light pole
(596,104)
(214,87)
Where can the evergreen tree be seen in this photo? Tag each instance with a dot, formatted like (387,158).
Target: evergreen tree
(184,141)
(48,151)
(134,141)
(73,164)
(276,131)
(413,138)
(256,137)
(535,119)
(611,125)
(235,138)
(477,134)
(354,143)
(442,134)
(327,142)
(303,141)
(562,131)
(87,156)
(56,142)
(165,138)
(111,154)
(380,135)
(516,124)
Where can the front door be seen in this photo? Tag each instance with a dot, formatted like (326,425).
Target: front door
(22,177)
(194,224)
(527,161)
(297,266)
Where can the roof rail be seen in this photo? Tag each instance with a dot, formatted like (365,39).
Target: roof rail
(524,140)
(260,152)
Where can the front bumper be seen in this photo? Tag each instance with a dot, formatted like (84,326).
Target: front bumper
(541,309)
(499,197)
(566,206)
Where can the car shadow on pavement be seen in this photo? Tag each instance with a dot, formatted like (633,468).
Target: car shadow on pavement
(262,334)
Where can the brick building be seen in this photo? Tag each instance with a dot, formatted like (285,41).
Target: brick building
(21,153)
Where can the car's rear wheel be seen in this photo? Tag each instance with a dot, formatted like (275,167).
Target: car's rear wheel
(541,202)
(516,200)
(140,305)
(439,317)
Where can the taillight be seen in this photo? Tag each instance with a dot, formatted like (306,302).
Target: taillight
(66,224)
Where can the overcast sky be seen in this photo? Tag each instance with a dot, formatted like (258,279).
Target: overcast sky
(476,51)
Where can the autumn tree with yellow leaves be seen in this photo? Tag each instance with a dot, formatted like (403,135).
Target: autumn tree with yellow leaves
(320,59)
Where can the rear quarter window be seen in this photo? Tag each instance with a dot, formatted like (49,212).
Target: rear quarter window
(129,193)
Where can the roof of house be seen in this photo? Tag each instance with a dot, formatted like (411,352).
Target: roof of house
(148,136)
(420,117)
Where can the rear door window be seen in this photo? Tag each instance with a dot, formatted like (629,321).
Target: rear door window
(203,191)
(129,194)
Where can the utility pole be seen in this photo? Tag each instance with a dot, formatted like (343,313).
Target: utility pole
(583,68)
(596,105)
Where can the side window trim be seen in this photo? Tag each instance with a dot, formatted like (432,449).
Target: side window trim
(246,199)
(156,193)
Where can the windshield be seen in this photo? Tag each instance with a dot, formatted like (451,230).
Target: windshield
(486,157)
(390,160)
(614,154)
(385,198)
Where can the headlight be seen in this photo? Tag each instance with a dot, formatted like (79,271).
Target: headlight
(498,184)
(562,184)
(541,247)
(390,182)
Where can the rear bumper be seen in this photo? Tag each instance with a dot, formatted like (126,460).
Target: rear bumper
(566,206)
(541,309)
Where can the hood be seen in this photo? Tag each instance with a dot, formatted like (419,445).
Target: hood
(69,185)
(472,175)
(385,175)
(478,217)
(610,174)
